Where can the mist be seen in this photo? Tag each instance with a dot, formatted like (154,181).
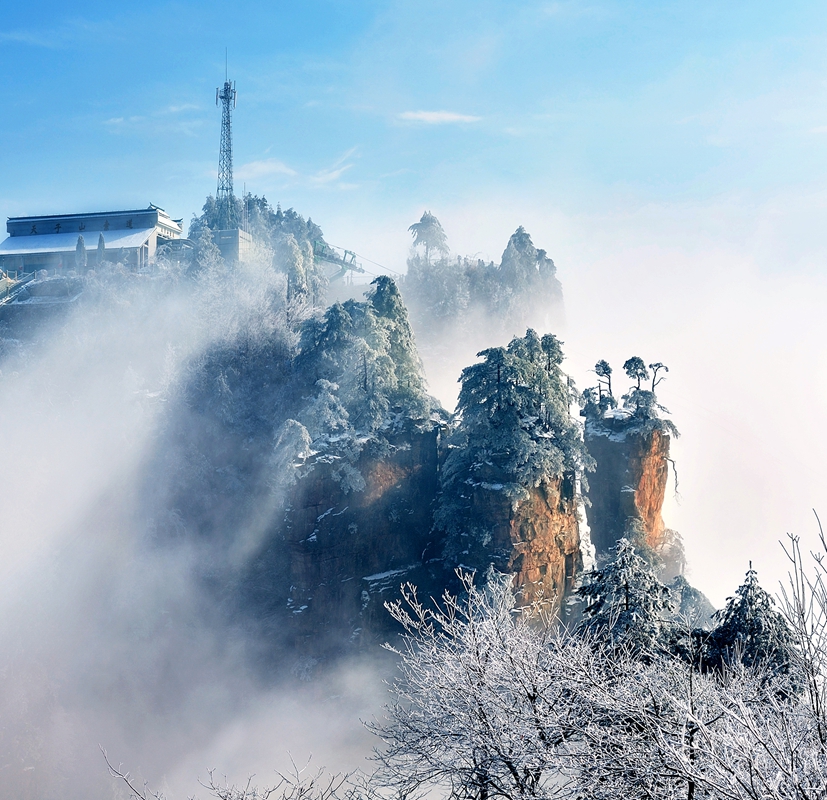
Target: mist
(110,639)
(108,635)
(728,293)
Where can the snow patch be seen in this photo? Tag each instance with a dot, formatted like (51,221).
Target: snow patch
(383,576)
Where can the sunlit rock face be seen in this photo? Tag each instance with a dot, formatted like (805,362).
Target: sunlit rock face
(627,489)
(537,539)
(340,554)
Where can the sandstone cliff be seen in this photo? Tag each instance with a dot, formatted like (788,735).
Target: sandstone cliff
(338,555)
(628,486)
(537,539)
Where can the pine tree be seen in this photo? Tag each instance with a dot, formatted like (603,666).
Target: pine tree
(80,253)
(635,368)
(515,433)
(367,350)
(627,607)
(604,374)
(428,232)
(101,253)
(750,630)
(408,371)
(519,267)
(323,416)
(514,408)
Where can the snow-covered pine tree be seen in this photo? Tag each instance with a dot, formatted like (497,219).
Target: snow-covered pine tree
(80,253)
(324,417)
(751,631)
(367,350)
(428,232)
(525,276)
(627,607)
(514,416)
(514,433)
(409,391)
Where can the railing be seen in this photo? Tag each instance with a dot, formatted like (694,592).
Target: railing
(322,251)
(13,286)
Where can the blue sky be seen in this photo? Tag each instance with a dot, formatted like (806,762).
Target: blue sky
(670,156)
(379,108)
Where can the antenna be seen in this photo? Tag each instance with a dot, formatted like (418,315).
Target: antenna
(225,198)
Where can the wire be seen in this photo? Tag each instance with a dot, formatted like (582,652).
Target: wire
(375,263)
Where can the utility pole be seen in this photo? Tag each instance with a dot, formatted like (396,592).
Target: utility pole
(225,199)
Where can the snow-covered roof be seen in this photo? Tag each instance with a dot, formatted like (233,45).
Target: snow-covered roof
(66,242)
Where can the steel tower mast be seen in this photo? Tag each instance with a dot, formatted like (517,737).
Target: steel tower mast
(225,199)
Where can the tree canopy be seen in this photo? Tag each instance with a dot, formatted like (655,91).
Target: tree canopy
(514,430)
(626,605)
(443,292)
(640,407)
(428,232)
(749,630)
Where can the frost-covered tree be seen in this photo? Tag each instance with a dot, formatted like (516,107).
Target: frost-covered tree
(207,254)
(514,433)
(491,701)
(291,447)
(522,263)
(626,605)
(750,630)
(640,410)
(428,232)
(286,234)
(446,295)
(604,374)
(656,368)
(522,284)
(480,707)
(80,253)
(635,368)
(514,414)
(439,293)
(295,259)
(387,302)
(101,252)
(367,350)
(323,415)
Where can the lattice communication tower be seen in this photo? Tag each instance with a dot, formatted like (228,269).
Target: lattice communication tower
(225,199)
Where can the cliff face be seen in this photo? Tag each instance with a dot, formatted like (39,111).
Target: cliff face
(338,556)
(628,485)
(334,557)
(537,539)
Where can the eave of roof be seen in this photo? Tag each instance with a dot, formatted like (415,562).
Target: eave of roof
(66,242)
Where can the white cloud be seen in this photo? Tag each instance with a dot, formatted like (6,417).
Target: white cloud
(437,117)
(330,175)
(260,169)
(183,107)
